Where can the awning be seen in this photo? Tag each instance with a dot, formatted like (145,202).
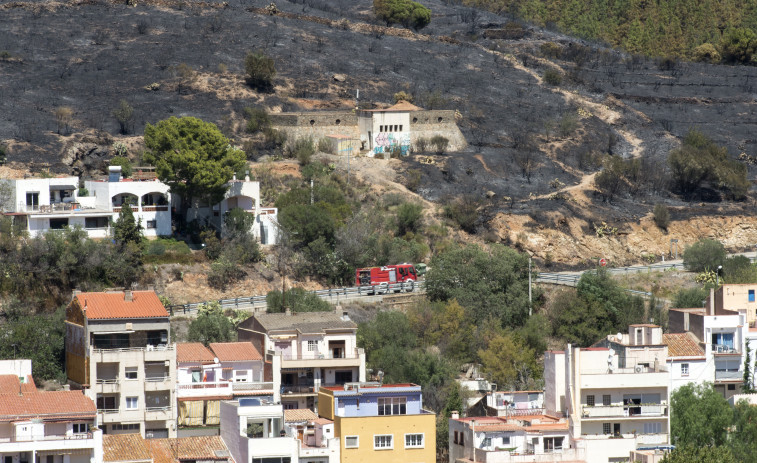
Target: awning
(62,187)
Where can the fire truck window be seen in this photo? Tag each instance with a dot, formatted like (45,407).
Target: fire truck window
(403,271)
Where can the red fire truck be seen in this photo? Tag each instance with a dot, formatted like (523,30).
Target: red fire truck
(402,276)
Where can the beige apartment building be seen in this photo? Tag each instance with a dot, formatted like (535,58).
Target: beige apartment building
(119,351)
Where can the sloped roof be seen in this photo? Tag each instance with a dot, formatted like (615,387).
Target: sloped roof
(400,106)
(125,447)
(305,322)
(54,405)
(235,351)
(682,345)
(193,352)
(188,448)
(9,384)
(299,414)
(144,304)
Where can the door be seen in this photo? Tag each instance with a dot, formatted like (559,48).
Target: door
(32,201)
(616,429)
(392,275)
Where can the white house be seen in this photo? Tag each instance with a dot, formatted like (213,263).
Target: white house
(381,130)
(612,409)
(254,428)
(687,362)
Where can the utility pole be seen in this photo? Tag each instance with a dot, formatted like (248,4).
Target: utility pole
(529,287)
(311,191)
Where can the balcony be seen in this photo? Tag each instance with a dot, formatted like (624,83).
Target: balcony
(321,359)
(158,413)
(723,375)
(298,389)
(157,383)
(200,390)
(239,387)
(626,411)
(651,439)
(504,456)
(723,349)
(48,437)
(109,415)
(108,385)
(121,354)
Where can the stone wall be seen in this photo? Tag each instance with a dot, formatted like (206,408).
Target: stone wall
(426,124)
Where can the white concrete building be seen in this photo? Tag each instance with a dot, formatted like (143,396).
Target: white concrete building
(207,375)
(612,410)
(309,350)
(118,349)
(42,204)
(253,430)
(382,130)
(243,194)
(525,438)
(149,199)
(687,362)
(51,427)
(315,436)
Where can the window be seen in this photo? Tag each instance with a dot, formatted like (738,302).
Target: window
(381,128)
(351,442)
(533,396)
(639,336)
(400,128)
(196,376)
(382,442)
(95,222)
(590,400)
(272,459)
(731,387)
(684,369)
(392,406)
(131,373)
(152,224)
(32,201)
(486,443)
(652,428)
(125,427)
(312,346)
(106,403)
(132,403)
(605,428)
(751,295)
(455,437)
(80,428)
(58,224)
(606,400)
(505,440)
(723,340)
(240,376)
(552,444)
(462,438)
(413,441)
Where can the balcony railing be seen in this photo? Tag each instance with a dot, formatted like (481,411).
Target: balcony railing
(327,355)
(252,386)
(107,380)
(195,386)
(158,348)
(625,410)
(107,410)
(728,375)
(163,408)
(298,389)
(154,208)
(48,437)
(724,349)
(157,379)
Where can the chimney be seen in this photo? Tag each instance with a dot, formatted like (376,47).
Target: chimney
(454,415)
(247,176)
(345,316)
(234,177)
(128,295)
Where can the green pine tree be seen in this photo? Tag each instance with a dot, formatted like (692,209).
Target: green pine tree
(126,229)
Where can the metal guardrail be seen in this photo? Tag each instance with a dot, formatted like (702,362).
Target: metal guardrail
(259,302)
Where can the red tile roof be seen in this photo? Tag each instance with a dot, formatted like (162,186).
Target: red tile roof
(9,384)
(144,304)
(54,405)
(682,345)
(299,414)
(235,351)
(193,352)
(188,448)
(125,447)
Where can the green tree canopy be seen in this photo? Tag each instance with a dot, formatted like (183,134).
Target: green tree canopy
(705,254)
(211,325)
(193,157)
(701,455)
(689,298)
(36,337)
(700,416)
(126,229)
(296,299)
(488,284)
(405,12)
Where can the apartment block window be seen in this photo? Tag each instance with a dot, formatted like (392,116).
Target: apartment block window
(606,428)
(413,441)
(132,403)
(552,444)
(80,428)
(106,403)
(383,442)
(351,442)
(684,369)
(606,400)
(131,373)
(590,400)
(652,428)
(505,440)
(392,406)
(125,427)
(751,295)
(400,128)
(312,346)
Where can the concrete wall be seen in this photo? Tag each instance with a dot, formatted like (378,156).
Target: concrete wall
(397,426)
(317,125)
(554,380)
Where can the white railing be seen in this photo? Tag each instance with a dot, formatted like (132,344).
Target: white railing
(108,381)
(156,379)
(260,386)
(327,355)
(47,437)
(107,350)
(624,410)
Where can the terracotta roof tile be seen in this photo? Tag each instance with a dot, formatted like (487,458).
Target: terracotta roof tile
(299,414)
(235,351)
(125,447)
(54,405)
(9,384)
(188,448)
(193,352)
(322,421)
(304,322)
(682,345)
(144,304)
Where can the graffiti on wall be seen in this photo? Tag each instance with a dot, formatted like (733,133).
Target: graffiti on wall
(385,142)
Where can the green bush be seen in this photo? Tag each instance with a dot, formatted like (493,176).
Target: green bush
(421,145)
(568,125)
(464,212)
(706,53)
(302,149)
(257,119)
(738,45)
(405,12)
(324,146)
(224,272)
(705,254)
(409,218)
(260,69)
(126,165)
(551,50)
(155,248)
(274,139)
(439,143)
(297,300)
(403,96)
(552,77)
(661,216)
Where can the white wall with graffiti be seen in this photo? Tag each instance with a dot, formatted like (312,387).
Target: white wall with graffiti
(383,130)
